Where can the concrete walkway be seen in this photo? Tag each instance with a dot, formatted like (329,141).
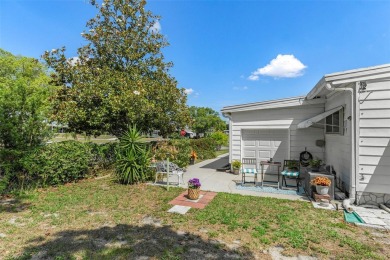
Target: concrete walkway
(216,181)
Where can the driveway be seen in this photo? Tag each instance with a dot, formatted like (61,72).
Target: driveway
(213,180)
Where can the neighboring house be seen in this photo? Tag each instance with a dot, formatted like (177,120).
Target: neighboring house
(349,110)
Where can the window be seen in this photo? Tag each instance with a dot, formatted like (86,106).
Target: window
(333,123)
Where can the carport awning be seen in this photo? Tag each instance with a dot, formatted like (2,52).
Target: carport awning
(309,122)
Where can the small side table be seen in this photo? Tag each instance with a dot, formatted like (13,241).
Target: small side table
(270,164)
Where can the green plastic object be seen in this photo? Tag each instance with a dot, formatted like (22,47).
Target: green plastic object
(352,217)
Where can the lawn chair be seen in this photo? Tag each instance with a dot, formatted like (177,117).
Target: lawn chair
(249,168)
(291,169)
(162,169)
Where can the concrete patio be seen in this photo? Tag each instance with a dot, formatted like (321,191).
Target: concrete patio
(216,181)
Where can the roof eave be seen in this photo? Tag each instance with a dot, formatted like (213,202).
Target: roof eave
(280,103)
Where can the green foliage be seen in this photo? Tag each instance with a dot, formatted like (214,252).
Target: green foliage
(236,164)
(206,119)
(220,138)
(119,77)
(315,163)
(178,151)
(183,147)
(53,164)
(103,155)
(57,163)
(132,158)
(24,103)
(204,147)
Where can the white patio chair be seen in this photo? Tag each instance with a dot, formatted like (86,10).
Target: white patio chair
(174,170)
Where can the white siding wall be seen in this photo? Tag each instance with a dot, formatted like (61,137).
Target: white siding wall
(338,147)
(279,118)
(374,144)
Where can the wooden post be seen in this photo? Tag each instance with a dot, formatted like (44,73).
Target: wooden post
(168,172)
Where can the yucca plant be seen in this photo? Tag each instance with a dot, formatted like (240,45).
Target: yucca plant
(133,158)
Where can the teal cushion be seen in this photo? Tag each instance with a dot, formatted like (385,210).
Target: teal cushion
(289,173)
(249,170)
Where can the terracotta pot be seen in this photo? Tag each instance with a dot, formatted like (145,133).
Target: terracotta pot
(193,194)
(322,190)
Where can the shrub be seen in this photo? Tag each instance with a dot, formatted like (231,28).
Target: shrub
(178,151)
(11,168)
(132,158)
(204,147)
(220,139)
(182,158)
(103,155)
(57,163)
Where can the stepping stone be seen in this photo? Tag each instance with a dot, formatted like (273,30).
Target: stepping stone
(179,209)
(319,205)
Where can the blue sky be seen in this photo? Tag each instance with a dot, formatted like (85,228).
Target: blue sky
(226,52)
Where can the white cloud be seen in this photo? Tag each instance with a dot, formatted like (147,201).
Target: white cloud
(73,61)
(283,66)
(156,27)
(188,91)
(240,88)
(253,77)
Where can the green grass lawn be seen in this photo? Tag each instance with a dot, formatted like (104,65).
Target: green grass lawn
(100,219)
(223,151)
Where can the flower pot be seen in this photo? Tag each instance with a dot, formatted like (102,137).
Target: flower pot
(192,161)
(193,194)
(236,171)
(322,190)
(315,169)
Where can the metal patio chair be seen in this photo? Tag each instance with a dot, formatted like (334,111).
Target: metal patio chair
(291,169)
(162,169)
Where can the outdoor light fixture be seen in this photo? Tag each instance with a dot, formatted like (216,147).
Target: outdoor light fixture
(363,86)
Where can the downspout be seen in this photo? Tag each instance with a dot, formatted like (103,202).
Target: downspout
(352,189)
(229,115)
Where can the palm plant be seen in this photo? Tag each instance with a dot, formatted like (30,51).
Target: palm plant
(133,158)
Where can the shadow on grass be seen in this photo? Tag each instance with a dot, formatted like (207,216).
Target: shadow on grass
(129,242)
(12,205)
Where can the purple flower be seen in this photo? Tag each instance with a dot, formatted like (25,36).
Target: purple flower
(194,183)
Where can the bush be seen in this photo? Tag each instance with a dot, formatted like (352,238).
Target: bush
(11,169)
(184,149)
(132,158)
(178,151)
(57,163)
(220,139)
(103,155)
(204,147)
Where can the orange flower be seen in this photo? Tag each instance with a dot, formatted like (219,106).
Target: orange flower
(194,155)
(320,181)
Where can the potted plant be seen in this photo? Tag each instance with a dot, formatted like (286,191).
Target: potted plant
(292,166)
(236,166)
(193,157)
(322,184)
(193,189)
(315,164)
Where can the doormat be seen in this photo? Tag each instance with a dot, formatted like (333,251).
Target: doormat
(266,189)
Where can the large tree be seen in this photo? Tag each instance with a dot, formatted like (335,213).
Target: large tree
(24,102)
(119,77)
(205,119)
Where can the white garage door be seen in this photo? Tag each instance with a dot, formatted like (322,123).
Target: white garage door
(265,144)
